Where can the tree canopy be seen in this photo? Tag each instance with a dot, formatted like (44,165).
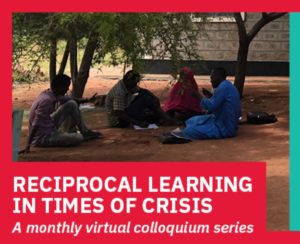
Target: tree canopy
(125,37)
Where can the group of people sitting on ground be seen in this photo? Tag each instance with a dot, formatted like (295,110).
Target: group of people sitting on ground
(56,121)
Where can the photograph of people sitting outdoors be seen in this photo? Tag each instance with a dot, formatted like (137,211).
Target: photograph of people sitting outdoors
(154,87)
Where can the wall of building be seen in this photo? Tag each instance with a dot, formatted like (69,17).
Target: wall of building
(270,44)
(268,52)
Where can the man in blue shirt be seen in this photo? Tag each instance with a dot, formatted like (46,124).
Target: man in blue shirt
(224,109)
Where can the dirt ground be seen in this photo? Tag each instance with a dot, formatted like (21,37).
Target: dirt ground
(256,143)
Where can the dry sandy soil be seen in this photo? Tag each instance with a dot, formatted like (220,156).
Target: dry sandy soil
(257,143)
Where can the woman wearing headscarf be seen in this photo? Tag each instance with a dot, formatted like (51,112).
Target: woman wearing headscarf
(183,100)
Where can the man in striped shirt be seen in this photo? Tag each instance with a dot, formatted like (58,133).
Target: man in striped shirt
(127,104)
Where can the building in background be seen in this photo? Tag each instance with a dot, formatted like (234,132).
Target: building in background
(268,52)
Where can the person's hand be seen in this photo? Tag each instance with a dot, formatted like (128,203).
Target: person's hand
(206,93)
(92,98)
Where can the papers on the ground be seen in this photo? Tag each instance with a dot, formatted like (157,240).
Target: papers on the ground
(177,130)
(87,106)
(150,126)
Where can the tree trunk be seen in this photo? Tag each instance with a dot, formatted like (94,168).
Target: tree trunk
(245,40)
(64,60)
(53,55)
(73,59)
(84,70)
(241,66)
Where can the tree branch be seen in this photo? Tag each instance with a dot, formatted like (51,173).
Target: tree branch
(265,19)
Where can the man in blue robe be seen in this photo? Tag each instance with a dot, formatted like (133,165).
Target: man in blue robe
(224,109)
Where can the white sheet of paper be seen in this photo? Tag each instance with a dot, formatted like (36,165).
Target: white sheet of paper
(150,126)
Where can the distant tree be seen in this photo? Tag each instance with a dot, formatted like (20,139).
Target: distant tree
(244,42)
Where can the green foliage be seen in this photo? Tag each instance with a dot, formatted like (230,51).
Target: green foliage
(28,76)
(122,38)
(30,45)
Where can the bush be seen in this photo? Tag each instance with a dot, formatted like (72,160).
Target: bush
(21,75)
